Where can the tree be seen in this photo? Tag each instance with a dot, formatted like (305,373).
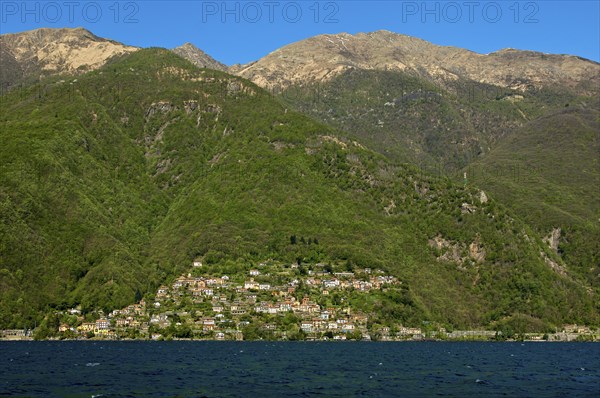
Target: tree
(290,319)
(251,332)
(296,334)
(506,332)
(302,270)
(349,266)
(183,332)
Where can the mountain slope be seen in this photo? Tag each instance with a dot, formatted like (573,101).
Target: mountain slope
(28,55)
(409,119)
(115,183)
(549,172)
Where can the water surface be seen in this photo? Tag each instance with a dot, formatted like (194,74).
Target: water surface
(276,369)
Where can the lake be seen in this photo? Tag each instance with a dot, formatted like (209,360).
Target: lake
(276,369)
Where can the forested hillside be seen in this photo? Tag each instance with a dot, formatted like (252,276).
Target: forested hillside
(114,181)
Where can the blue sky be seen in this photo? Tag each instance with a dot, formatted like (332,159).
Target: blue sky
(243,31)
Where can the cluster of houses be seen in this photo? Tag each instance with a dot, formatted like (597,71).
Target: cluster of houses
(221,307)
(231,303)
(274,301)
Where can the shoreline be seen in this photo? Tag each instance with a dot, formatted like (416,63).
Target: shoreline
(592,340)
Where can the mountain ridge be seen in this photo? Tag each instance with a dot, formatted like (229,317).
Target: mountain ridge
(322,57)
(299,63)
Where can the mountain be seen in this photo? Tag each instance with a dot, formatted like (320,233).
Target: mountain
(451,111)
(114,182)
(198,57)
(439,107)
(28,55)
(323,57)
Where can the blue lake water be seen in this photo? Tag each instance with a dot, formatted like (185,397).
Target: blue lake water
(286,369)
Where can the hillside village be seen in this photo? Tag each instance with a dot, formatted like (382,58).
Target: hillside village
(271,301)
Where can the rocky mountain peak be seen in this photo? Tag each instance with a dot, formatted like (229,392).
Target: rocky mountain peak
(198,57)
(47,51)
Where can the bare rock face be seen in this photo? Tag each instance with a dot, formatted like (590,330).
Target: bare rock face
(483,197)
(450,251)
(556,267)
(553,239)
(198,57)
(468,208)
(46,51)
(457,252)
(159,107)
(477,251)
(323,57)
